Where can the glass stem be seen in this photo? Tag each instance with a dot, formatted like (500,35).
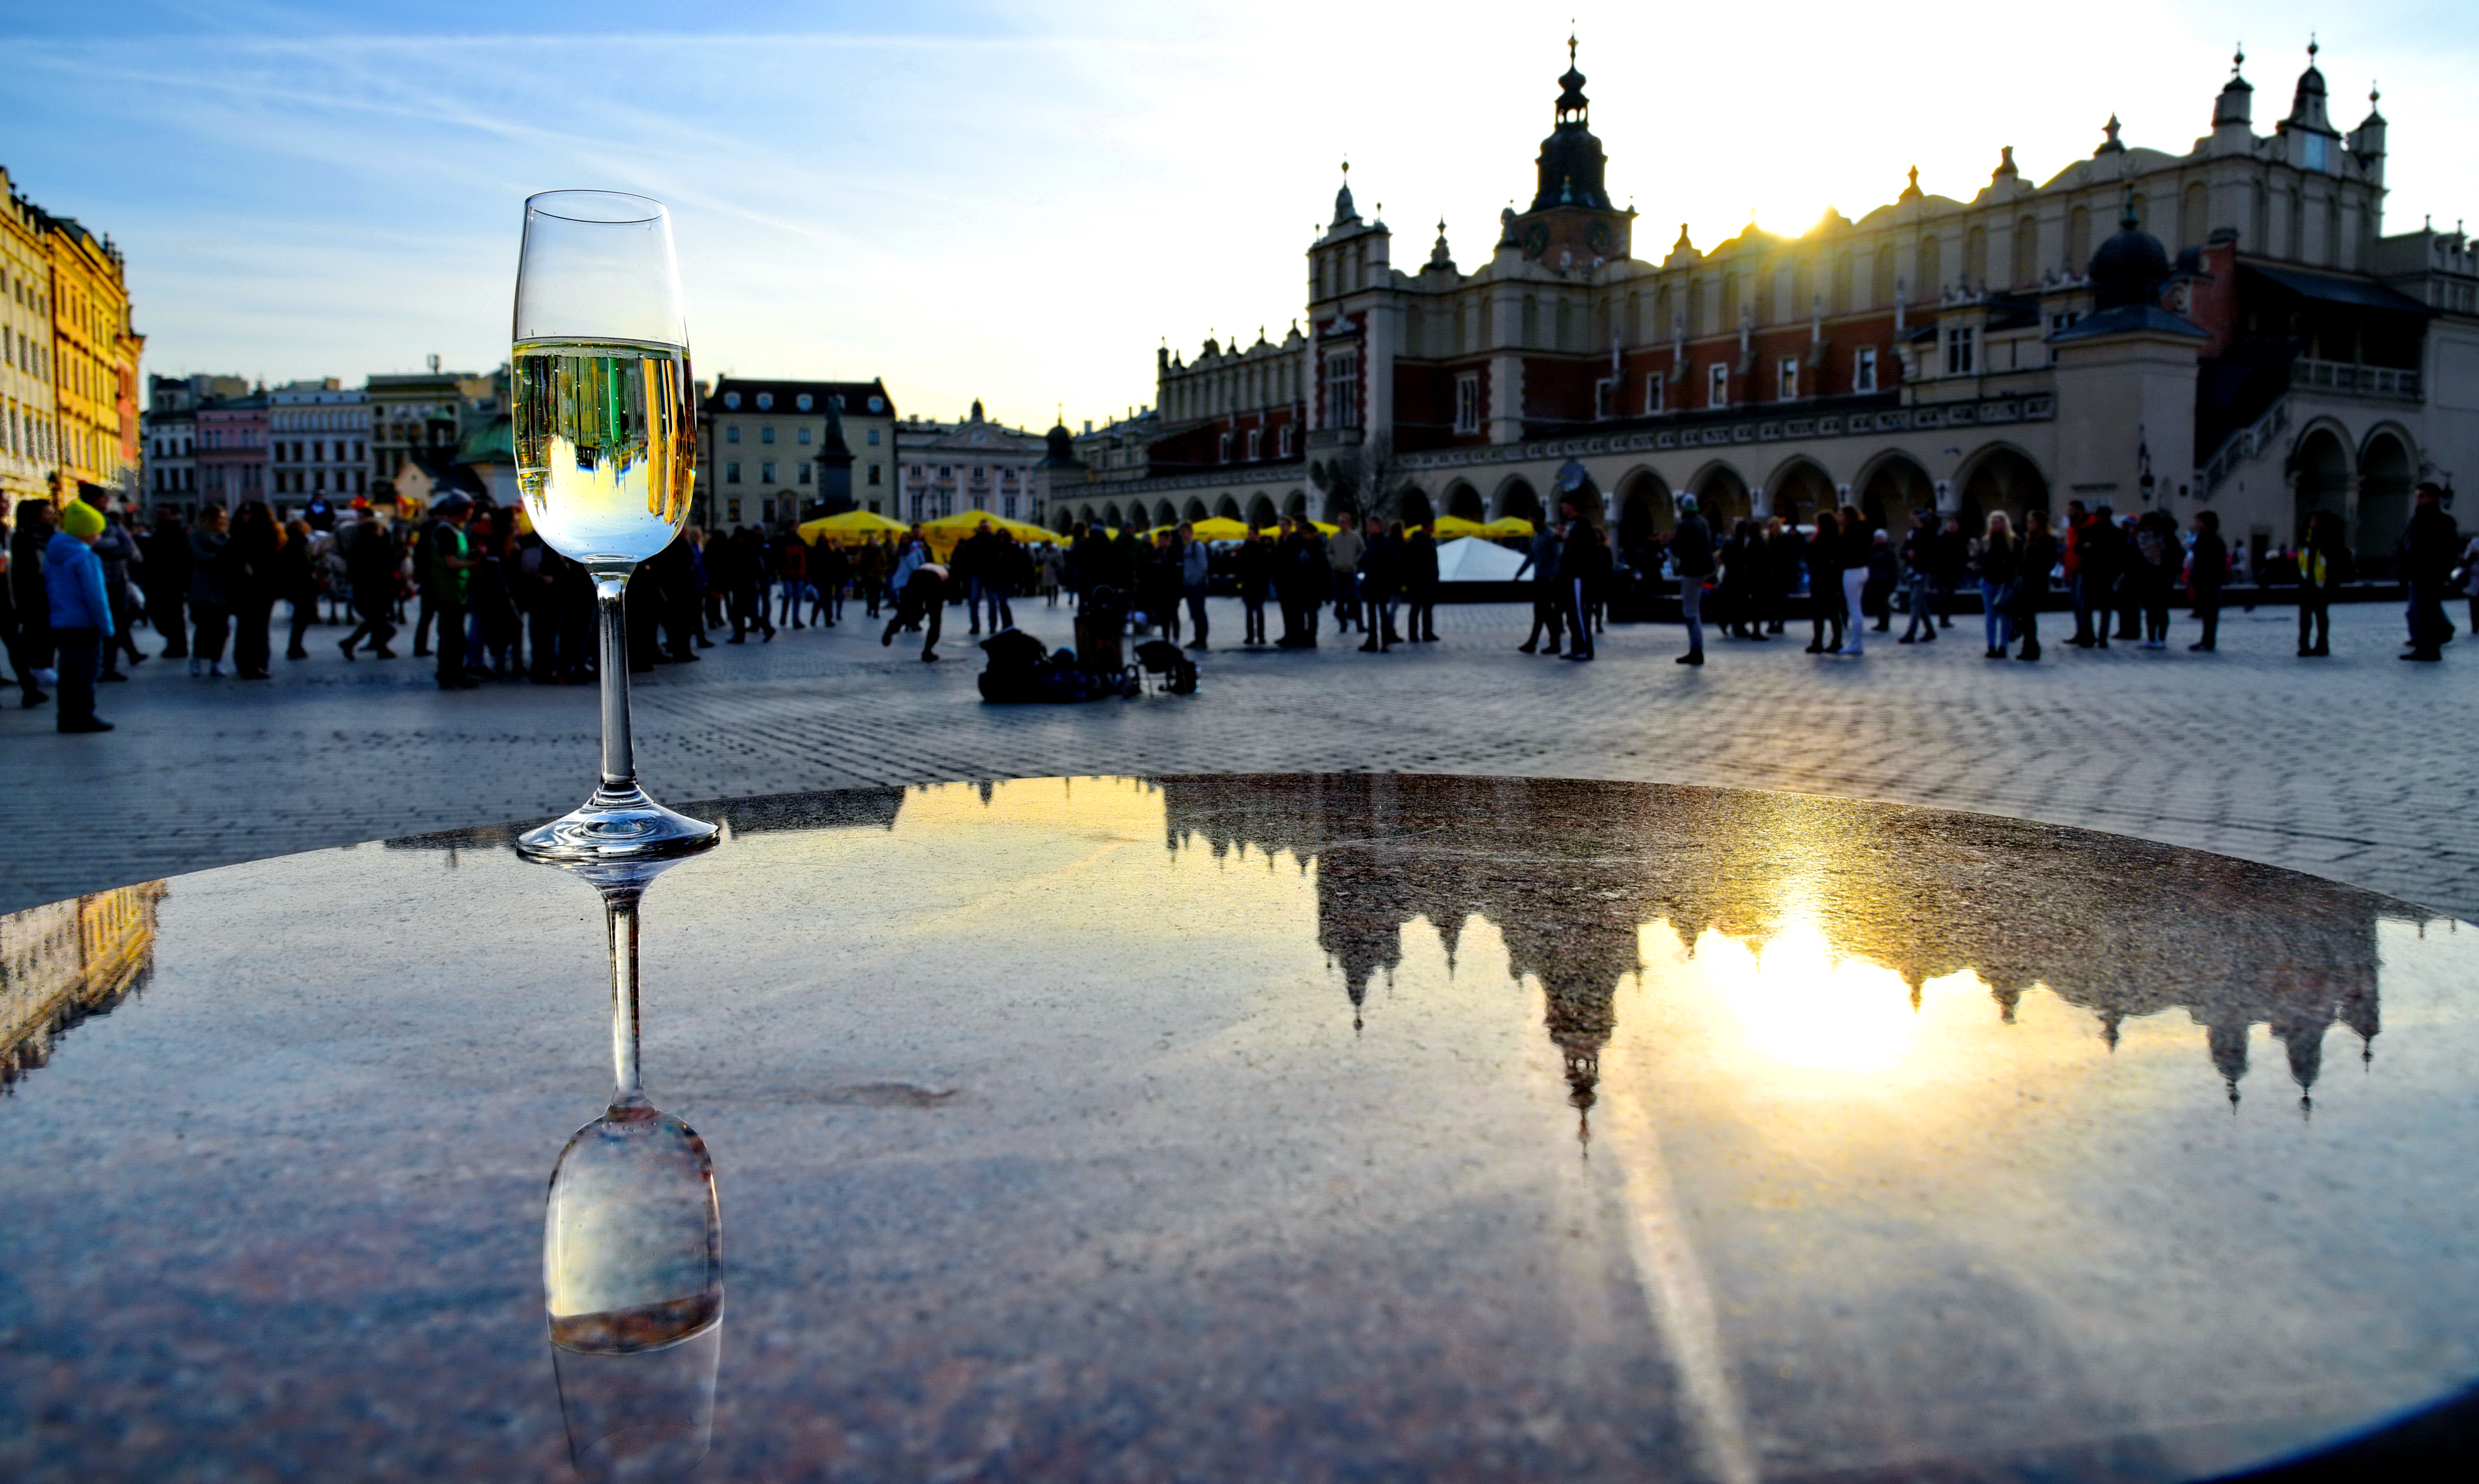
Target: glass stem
(619,754)
(620,918)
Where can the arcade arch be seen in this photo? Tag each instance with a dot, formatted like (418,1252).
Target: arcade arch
(2321,467)
(1262,512)
(2387,473)
(1412,506)
(1227,508)
(1464,502)
(1515,497)
(1999,477)
(1647,511)
(1196,510)
(1799,491)
(1720,495)
(1891,488)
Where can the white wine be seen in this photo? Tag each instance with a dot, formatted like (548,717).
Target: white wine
(606,446)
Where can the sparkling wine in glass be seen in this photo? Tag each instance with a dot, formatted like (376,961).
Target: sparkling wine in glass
(632,1253)
(607,459)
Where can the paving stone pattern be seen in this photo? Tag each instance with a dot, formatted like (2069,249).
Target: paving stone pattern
(2355,767)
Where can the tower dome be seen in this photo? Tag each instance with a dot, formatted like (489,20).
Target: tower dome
(2131,268)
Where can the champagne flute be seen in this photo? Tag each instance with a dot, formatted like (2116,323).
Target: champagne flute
(632,1251)
(606,459)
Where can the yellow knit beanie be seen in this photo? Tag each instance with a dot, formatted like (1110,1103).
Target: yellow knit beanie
(81,520)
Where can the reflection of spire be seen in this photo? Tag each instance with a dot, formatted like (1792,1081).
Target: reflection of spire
(2227,1043)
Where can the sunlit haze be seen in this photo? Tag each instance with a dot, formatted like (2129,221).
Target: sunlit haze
(981,201)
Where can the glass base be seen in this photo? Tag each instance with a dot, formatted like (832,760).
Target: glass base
(614,827)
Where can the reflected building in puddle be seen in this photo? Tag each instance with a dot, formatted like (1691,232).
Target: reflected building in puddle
(1571,872)
(65,962)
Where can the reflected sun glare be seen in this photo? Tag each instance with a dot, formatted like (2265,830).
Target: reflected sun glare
(1798,1004)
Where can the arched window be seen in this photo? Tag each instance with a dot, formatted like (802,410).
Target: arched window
(2026,248)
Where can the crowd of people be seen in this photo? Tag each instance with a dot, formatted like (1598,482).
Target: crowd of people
(488,598)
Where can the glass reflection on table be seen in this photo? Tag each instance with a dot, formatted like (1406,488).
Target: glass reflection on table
(632,1251)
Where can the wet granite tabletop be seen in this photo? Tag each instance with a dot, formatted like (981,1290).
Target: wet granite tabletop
(1357,1127)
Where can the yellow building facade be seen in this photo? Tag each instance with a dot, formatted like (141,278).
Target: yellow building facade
(68,395)
(28,428)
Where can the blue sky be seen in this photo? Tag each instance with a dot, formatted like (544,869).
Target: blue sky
(1019,203)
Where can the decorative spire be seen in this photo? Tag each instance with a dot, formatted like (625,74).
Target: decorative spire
(1439,256)
(2111,144)
(1345,211)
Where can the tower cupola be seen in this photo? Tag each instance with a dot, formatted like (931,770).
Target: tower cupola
(1571,162)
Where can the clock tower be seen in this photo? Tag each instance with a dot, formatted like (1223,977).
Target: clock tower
(1572,225)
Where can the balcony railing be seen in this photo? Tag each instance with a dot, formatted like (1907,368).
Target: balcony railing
(2355,380)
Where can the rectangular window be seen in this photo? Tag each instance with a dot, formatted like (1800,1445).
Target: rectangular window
(732,433)
(1256,443)
(766,434)
(766,472)
(873,479)
(2063,319)
(1652,394)
(731,511)
(1605,397)
(920,508)
(1789,379)
(1222,453)
(1342,390)
(805,473)
(1716,385)
(731,473)
(1287,440)
(805,435)
(1863,370)
(766,510)
(1010,507)
(1960,342)
(1467,402)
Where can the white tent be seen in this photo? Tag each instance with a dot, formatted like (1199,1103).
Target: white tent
(1471,559)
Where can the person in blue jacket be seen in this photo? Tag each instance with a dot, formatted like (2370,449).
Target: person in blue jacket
(80,612)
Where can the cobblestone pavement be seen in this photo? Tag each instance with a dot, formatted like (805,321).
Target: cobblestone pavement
(2355,767)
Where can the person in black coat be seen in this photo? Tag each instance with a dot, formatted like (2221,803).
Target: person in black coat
(251,575)
(2427,550)
(1584,571)
(2032,579)
(1381,575)
(1421,587)
(1691,557)
(165,582)
(2208,568)
(1823,556)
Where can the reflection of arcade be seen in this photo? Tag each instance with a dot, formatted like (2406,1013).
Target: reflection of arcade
(1568,871)
(66,960)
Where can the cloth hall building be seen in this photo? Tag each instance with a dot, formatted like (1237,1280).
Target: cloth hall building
(2227,328)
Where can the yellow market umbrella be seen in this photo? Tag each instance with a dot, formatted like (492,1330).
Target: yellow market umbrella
(946,530)
(1451,528)
(850,526)
(1219,528)
(1508,525)
(1276,530)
